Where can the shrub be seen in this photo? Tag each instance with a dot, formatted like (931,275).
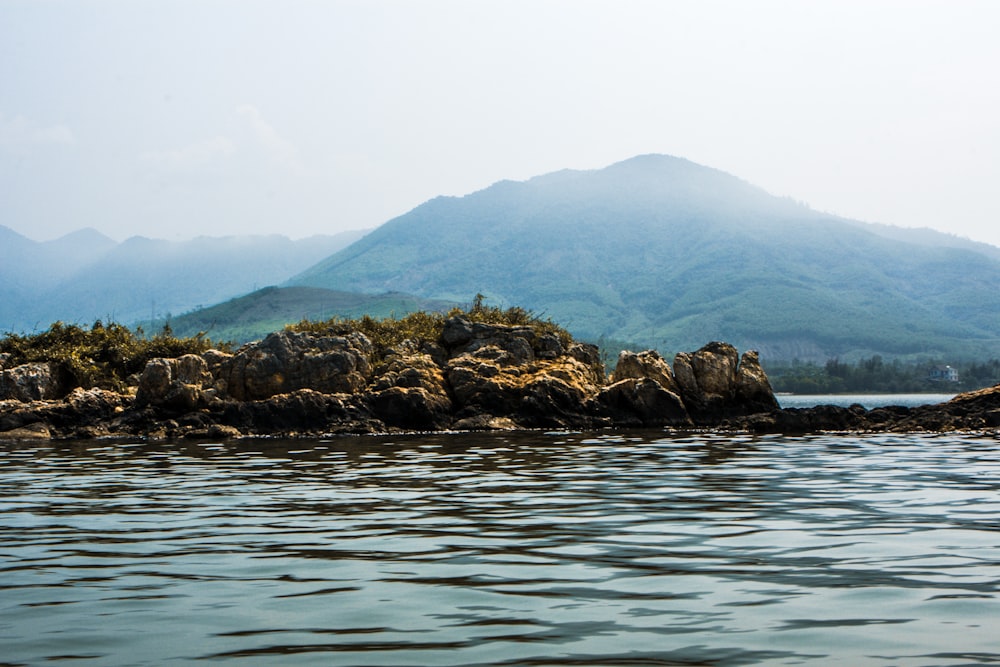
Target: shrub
(427,326)
(102,356)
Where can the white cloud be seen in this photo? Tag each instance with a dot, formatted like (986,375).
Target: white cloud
(195,154)
(20,131)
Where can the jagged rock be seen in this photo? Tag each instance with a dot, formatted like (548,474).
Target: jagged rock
(457,332)
(96,404)
(409,392)
(515,343)
(542,394)
(301,412)
(173,384)
(648,364)
(713,385)
(287,361)
(753,390)
(641,402)
(215,360)
(35,381)
(412,408)
(82,409)
(807,420)
(548,346)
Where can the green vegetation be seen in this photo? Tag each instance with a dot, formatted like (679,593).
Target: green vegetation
(427,326)
(255,315)
(104,355)
(876,375)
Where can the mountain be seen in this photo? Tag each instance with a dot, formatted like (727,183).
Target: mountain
(928,237)
(259,313)
(85,276)
(660,251)
(30,266)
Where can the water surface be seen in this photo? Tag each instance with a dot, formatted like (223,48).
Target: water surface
(530,549)
(869,401)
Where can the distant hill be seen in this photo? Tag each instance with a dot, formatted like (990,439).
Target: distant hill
(85,276)
(255,315)
(667,253)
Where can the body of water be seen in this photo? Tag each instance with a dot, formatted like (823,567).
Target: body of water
(869,401)
(629,548)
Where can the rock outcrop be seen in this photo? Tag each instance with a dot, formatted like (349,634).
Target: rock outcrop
(287,361)
(37,381)
(717,384)
(475,376)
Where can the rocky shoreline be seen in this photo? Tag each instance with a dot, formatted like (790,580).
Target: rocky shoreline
(476,376)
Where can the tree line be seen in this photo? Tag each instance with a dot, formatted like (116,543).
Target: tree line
(876,375)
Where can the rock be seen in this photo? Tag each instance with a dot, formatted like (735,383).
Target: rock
(796,421)
(457,332)
(303,411)
(94,405)
(485,423)
(173,384)
(409,392)
(34,431)
(753,390)
(512,345)
(648,364)
(641,402)
(287,361)
(35,381)
(412,408)
(548,346)
(714,387)
(542,394)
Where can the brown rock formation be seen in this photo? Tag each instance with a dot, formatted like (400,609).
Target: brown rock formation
(475,376)
(286,361)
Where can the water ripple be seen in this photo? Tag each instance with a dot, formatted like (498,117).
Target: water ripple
(626,548)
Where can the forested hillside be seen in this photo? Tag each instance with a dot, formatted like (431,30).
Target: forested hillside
(663,252)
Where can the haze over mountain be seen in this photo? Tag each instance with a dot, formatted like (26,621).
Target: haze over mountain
(85,276)
(659,251)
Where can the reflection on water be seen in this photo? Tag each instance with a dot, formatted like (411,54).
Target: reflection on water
(868,401)
(529,549)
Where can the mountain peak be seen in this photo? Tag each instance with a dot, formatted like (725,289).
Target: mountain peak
(665,252)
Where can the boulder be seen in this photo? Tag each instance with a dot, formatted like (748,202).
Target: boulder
(753,389)
(715,385)
(640,401)
(516,344)
(173,384)
(303,411)
(37,381)
(287,361)
(648,364)
(542,394)
(409,391)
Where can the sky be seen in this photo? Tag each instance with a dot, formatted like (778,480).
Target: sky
(180,118)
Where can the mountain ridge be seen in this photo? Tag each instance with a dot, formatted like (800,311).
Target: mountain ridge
(664,252)
(85,276)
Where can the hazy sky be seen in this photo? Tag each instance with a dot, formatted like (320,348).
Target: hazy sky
(178,118)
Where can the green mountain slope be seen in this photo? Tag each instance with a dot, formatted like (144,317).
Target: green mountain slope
(257,314)
(664,252)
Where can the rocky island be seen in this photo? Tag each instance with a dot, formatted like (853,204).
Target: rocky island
(464,371)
